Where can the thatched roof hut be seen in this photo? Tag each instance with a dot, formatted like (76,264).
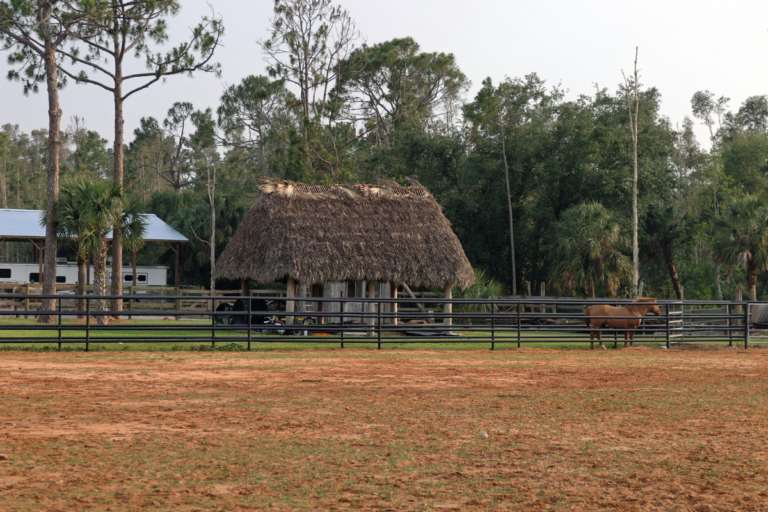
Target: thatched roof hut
(323,234)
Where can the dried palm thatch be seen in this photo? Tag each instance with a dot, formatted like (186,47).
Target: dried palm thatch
(320,234)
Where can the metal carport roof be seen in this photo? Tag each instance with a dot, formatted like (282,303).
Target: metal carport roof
(25,224)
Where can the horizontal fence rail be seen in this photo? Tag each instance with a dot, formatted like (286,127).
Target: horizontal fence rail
(87,319)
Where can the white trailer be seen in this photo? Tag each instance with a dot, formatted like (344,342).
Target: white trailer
(66,273)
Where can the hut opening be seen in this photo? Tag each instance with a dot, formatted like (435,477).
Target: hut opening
(345,241)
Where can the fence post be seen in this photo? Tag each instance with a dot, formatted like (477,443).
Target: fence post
(87,323)
(730,324)
(342,310)
(177,291)
(213,322)
(746,325)
(493,325)
(26,300)
(130,301)
(249,324)
(667,322)
(378,304)
(59,323)
(519,322)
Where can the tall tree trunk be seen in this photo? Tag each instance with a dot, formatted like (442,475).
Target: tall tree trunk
(752,282)
(633,129)
(81,277)
(100,282)
(212,198)
(54,146)
(117,236)
(719,285)
(509,205)
(3,183)
(669,256)
(635,245)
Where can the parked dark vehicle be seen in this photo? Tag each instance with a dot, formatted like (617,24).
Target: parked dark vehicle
(257,305)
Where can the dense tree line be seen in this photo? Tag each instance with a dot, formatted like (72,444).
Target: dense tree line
(537,185)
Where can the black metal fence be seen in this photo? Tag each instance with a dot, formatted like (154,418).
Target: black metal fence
(249,320)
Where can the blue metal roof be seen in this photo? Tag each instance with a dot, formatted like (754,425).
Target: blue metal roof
(26,224)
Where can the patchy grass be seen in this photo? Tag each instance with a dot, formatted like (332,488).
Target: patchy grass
(374,430)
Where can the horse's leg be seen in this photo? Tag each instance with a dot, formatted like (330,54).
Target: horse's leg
(600,338)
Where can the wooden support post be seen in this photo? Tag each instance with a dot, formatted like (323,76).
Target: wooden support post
(393,294)
(448,307)
(177,287)
(543,293)
(245,287)
(290,292)
(301,306)
(131,292)
(528,285)
(320,292)
(737,309)
(370,307)
(39,253)
(26,301)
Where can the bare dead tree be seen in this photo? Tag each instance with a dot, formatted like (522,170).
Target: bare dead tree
(633,128)
(509,205)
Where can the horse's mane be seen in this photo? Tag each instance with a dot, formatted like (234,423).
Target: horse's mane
(640,304)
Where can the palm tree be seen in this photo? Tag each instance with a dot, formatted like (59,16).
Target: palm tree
(71,222)
(585,251)
(741,238)
(663,225)
(93,206)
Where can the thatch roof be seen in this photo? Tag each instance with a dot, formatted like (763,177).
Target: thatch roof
(321,234)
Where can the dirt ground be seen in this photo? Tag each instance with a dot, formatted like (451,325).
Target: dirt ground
(634,429)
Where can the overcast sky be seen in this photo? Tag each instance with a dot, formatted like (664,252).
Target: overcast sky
(685,46)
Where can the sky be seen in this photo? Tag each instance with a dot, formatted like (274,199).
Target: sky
(684,46)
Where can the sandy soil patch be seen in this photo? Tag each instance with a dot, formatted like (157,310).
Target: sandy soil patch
(385,430)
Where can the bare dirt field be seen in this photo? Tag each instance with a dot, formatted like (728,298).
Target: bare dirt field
(635,429)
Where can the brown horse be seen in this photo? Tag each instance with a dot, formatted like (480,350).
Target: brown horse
(599,316)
